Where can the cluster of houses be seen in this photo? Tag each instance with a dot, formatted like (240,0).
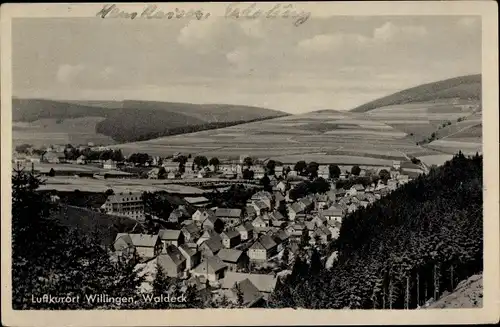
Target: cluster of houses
(224,246)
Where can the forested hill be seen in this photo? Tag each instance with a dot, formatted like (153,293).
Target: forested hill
(410,246)
(462,87)
(129,121)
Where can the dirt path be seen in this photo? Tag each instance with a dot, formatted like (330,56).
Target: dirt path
(460,130)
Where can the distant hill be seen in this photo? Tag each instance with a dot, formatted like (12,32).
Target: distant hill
(463,87)
(128,121)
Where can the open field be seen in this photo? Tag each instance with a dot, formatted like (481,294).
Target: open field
(58,131)
(69,184)
(326,137)
(386,133)
(437,159)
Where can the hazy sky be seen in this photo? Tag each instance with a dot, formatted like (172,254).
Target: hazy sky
(325,63)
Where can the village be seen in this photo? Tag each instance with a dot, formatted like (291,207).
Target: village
(239,249)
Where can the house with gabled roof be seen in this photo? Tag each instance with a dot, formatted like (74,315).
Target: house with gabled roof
(191,232)
(213,223)
(306,203)
(229,216)
(331,196)
(172,262)
(234,259)
(319,219)
(259,222)
(147,246)
(277,223)
(260,207)
(275,215)
(191,254)
(282,187)
(355,189)
(178,215)
(263,282)
(81,160)
(333,213)
(263,196)
(294,209)
(208,234)
(278,199)
(53,157)
(264,248)
(202,214)
(334,228)
(212,268)
(230,238)
(211,247)
(250,295)
(245,230)
(282,236)
(250,212)
(323,233)
(321,201)
(171,236)
(123,245)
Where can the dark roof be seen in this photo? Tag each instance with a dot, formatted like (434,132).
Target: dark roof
(249,291)
(227,212)
(276,215)
(169,234)
(229,255)
(192,229)
(173,254)
(189,250)
(230,234)
(333,211)
(260,204)
(278,197)
(296,207)
(267,242)
(250,210)
(263,282)
(282,235)
(214,244)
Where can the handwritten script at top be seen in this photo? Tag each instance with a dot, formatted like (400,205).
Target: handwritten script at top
(233,11)
(279,10)
(151,12)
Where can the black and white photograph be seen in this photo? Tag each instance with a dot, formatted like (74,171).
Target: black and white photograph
(247,156)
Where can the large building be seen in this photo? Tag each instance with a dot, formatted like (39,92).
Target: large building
(125,204)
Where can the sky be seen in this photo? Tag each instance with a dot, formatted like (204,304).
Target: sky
(335,62)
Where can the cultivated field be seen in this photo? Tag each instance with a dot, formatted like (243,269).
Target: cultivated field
(325,137)
(58,131)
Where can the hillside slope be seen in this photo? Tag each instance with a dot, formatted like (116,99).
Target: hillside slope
(468,294)
(463,87)
(129,120)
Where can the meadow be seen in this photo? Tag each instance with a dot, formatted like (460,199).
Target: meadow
(47,131)
(324,136)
